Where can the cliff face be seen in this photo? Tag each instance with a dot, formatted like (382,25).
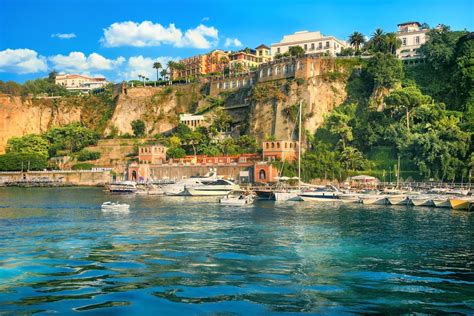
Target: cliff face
(19,117)
(157,107)
(277,117)
(264,110)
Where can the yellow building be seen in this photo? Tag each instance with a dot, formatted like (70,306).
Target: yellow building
(79,83)
(249,58)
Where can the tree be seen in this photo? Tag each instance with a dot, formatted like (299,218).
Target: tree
(385,70)
(28,144)
(157,66)
(138,127)
(356,39)
(163,74)
(175,152)
(15,161)
(352,159)
(72,137)
(52,76)
(377,41)
(221,120)
(296,51)
(406,99)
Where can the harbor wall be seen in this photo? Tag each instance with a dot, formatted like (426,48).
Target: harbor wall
(65,177)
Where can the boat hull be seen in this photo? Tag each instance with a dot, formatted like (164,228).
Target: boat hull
(374,200)
(265,195)
(442,203)
(201,192)
(422,202)
(398,200)
(459,204)
(286,196)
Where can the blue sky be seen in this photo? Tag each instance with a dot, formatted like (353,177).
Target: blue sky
(114,39)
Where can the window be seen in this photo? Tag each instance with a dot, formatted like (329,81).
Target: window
(285,68)
(261,174)
(312,46)
(269,71)
(327,44)
(320,45)
(417,40)
(305,46)
(261,73)
(404,41)
(278,50)
(277,70)
(273,145)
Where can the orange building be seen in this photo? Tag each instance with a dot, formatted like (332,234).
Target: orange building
(283,150)
(201,64)
(152,154)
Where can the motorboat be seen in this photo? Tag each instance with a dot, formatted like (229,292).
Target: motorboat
(442,201)
(179,187)
(287,195)
(457,203)
(219,187)
(422,200)
(323,194)
(115,207)
(373,197)
(123,187)
(350,198)
(237,198)
(398,199)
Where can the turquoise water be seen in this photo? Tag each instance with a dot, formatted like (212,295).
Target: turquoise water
(59,253)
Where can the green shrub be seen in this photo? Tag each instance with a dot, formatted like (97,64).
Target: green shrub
(82,166)
(85,155)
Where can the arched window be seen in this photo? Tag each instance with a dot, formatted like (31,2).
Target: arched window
(277,71)
(268,145)
(286,145)
(261,175)
(269,71)
(134,175)
(273,145)
(285,69)
(291,145)
(261,73)
(278,145)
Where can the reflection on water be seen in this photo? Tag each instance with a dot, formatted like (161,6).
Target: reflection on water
(61,254)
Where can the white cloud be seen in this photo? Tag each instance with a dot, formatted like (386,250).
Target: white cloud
(139,65)
(232,42)
(204,19)
(64,35)
(21,61)
(148,33)
(78,62)
(200,37)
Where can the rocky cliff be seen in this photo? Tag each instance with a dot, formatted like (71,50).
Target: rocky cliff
(267,109)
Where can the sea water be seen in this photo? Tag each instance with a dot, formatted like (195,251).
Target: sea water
(59,253)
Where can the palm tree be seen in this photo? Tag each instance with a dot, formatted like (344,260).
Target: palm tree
(392,43)
(378,40)
(164,73)
(157,66)
(140,78)
(356,39)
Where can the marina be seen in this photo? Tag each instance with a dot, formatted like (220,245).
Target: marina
(195,255)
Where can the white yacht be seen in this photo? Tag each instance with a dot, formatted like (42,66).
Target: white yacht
(373,197)
(123,187)
(115,207)
(422,200)
(218,187)
(179,187)
(324,194)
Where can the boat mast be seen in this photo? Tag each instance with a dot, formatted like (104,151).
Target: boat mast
(299,149)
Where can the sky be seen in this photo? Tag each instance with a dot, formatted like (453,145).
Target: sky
(121,39)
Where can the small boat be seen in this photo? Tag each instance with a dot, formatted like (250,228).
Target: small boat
(287,195)
(179,188)
(376,199)
(123,187)
(350,198)
(115,206)
(442,201)
(237,198)
(422,200)
(397,199)
(459,203)
(219,187)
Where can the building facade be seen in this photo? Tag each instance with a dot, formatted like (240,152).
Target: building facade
(79,83)
(282,150)
(152,154)
(192,121)
(312,43)
(250,58)
(201,64)
(412,36)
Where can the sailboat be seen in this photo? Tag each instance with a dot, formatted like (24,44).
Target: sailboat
(288,194)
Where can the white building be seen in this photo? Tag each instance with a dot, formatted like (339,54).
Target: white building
(311,42)
(191,120)
(80,83)
(412,36)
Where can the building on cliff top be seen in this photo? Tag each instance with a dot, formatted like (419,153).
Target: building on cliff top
(201,64)
(313,43)
(80,83)
(412,35)
(249,58)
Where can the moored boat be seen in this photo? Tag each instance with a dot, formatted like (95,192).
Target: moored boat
(422,200)
(123,187)
(237,198)
(442,201)
(325,194)
(376,199)
(459,203)
(397,199)
(219,187)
